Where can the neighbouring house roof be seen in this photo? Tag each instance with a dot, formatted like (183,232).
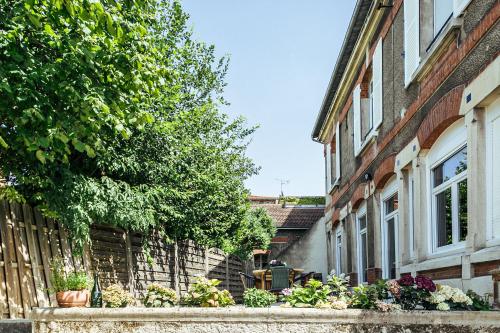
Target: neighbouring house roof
(293,216)
(356,24)
(262,199)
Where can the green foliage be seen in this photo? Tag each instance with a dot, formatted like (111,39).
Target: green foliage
(365,297)
(115,296)
(74,281)
(110,115)
(258,298)
(308,296)
(256,231)
(158,296)
(204,293)
(339,284)
(479,303)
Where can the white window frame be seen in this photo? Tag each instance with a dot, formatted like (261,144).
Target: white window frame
(492,114)
(328,166)
(359,232)
(437,29)
(390,190)
(451,141)
(338,250)
(411,25)
(411,214)
(337,155)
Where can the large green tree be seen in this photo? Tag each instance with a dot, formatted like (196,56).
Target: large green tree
(109,114)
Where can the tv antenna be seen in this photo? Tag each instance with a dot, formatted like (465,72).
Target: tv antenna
(282,183)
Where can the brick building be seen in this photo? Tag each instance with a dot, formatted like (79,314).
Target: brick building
(410,123)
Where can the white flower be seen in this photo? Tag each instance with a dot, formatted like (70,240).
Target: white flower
(339,305)
(443,307)
(436,298)
(460,297)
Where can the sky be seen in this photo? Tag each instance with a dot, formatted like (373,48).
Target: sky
(282,54)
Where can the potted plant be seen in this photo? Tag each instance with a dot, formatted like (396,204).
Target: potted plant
(71,289)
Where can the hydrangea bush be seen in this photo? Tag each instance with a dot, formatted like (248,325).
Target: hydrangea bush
(115,296)
(204,293)
(158,296)
(258,298)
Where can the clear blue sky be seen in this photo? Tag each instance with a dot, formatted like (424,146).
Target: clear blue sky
(282,55)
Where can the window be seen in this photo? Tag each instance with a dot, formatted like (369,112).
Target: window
(328,165)
(362,244)
(449,196)
(443,11)
(411,215)
(411,38)
(367,104)
(332,161)
(389,233)
(338,252)
(493,171)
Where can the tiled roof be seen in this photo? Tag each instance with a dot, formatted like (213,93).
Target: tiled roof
(293,216)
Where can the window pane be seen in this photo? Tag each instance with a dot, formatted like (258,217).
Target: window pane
(362,222)
(364,257)
(443,218)
(391,249)
(391,204)
(442,12)
(333,164)
(462,209)
(451,167)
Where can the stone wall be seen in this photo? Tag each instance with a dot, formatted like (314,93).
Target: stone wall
(239,319)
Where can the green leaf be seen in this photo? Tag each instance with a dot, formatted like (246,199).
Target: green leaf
(3,143)
(80,146)
(40,155)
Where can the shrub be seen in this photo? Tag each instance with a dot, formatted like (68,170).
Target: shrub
(446,298)
(479,303)
(309,296)
(204,293)
(258,298)
(74,281)
(339,284)
(158,296)
(414,291)
(365,297)
(115,297)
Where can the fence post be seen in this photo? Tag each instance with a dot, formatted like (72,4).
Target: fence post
(227,271)
(207,258)
(130,263)
(176,269)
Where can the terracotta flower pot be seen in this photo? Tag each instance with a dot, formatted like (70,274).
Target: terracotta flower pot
(71,299)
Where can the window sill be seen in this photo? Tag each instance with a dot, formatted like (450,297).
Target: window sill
(370,138)
(487,254)
(436,49)
(334,185)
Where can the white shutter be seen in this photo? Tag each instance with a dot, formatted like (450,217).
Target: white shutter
(337,151)
(377,86)
(356,107)
(328,157)
(495,176)
(459,6)
(411,36)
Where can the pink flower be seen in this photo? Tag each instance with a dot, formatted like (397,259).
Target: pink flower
(394,287)
(286,292)
(406,281)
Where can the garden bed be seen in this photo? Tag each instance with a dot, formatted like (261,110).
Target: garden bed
(274,319)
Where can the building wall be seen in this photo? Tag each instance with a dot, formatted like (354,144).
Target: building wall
(413,118)
(309,252)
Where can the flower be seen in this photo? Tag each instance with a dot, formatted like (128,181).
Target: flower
(387,307)
(394,287)
(425,283)
(286,292)
(436,298)
(460,297)
(339,304)
(406,281)
(443,307)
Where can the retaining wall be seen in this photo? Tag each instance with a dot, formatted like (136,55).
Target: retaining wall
(272,320)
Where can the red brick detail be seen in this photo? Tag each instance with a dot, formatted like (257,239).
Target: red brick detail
(373,274)
(336,216)
(280,239)
(431,84)
(442,115)
(358,196)
(453,272)
(484,268)
(353,279)
(384,171)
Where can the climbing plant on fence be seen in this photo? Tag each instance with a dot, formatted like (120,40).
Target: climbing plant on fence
(110,114)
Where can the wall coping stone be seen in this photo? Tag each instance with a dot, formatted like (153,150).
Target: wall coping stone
(240,314)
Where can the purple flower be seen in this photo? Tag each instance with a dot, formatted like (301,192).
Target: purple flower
(425,283)
(286,292)
(406,281)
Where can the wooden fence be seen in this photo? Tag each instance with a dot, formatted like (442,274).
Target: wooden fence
(29,241)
